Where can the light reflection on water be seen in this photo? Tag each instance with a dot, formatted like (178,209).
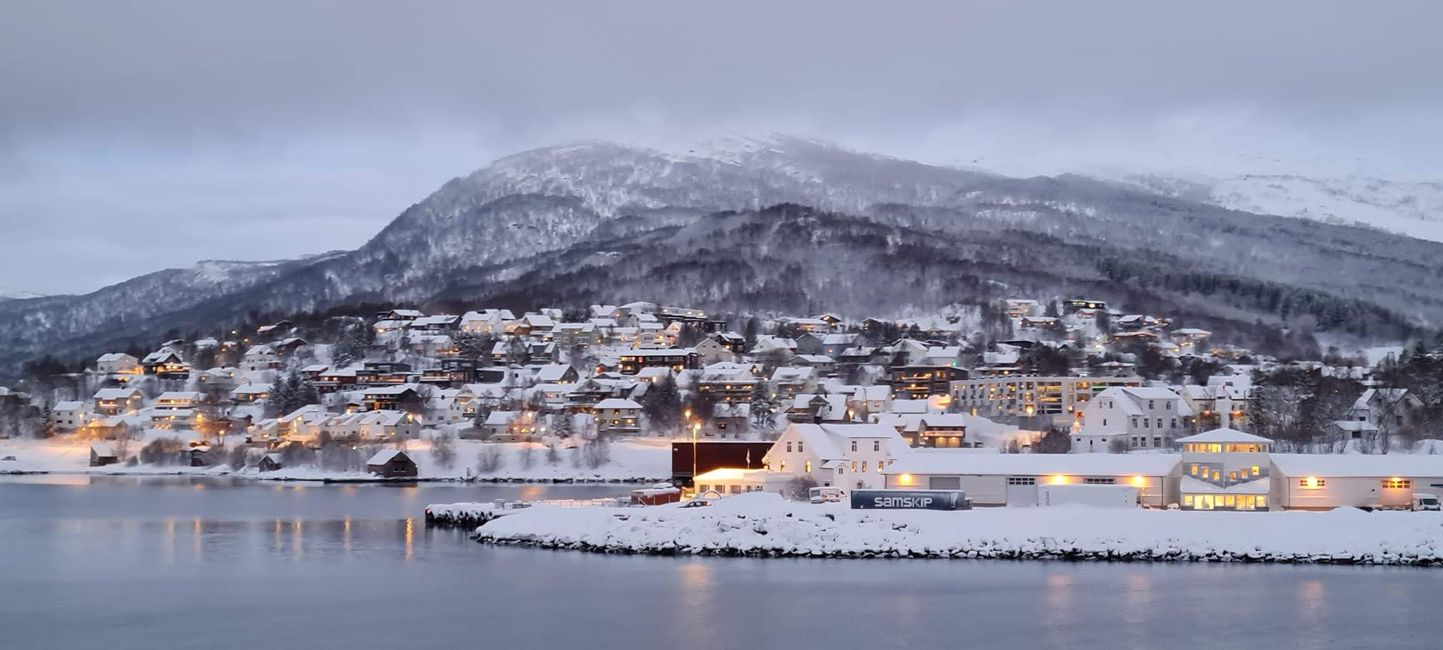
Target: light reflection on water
(126,563)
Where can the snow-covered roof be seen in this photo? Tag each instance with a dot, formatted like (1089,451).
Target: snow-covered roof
(1359,465)
(617,403)
(551,373)
(951,461)
(116,393)
(69,405)
(826,439)
(385,455)
(1224,435)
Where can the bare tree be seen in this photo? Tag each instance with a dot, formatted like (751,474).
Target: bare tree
(443,450)
(489,459)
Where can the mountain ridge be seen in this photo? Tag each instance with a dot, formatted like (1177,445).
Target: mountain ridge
(488,228)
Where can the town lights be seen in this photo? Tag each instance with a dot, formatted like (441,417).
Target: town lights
(1139,481)
(905,479)
(1311,482)
(1058,479)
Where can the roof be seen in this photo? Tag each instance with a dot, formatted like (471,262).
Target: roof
(69,405)
(1359,465)
(116,393)
(953,461)
(387,455)
(1224,435)
(551,373)
(617,403)
(826,439)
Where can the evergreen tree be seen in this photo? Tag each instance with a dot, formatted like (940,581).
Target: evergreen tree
(662,405)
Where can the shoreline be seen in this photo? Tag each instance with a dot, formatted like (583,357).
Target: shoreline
(764,526)
(493,480)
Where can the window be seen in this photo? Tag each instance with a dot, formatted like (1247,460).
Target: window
(808,467)
(879,466)
(789,446)
(1099,480)
(1397,484)
(1022,480)
(854,466)
(799,446)
(854,445)
(1256,470)
(876,445)
(1312,483)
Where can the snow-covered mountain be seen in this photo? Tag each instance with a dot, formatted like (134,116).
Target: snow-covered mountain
(1414,209)
(498,232)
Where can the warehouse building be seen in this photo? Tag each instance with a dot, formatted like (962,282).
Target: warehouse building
(993,479)
(1326,481)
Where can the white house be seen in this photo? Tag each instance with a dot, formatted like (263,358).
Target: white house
(1142,417)
(617,416)
(117,365)
(68,416)
(836,455)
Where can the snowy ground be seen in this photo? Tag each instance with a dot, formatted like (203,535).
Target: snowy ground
(643,459)
(764,524)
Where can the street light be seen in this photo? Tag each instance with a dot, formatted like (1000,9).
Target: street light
(695,428)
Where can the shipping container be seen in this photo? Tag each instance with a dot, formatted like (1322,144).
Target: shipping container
(910,500)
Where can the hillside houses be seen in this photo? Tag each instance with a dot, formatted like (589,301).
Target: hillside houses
(643,369)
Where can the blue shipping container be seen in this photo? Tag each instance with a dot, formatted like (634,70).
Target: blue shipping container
(910,500)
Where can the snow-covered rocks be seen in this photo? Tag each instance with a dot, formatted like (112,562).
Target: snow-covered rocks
(764,525)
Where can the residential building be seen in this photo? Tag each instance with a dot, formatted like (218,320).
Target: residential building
(1140,417)
(839,455)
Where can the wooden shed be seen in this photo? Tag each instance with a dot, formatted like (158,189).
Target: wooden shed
(392,463)
(269,463)
(101,455)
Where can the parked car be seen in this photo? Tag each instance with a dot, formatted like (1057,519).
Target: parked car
(696,503)
(1426,501)
(826,495)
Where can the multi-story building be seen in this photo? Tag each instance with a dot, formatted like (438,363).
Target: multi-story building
(921,381)
(1225,469)
(1141,417)
(1057,397)
(677,359)
(838,455)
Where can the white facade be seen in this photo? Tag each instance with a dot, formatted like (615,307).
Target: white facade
(1225,469)
(1143,418)
(836,455)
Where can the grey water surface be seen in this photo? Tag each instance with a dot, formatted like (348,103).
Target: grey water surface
(120,563)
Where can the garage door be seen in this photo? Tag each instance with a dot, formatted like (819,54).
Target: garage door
(944,483)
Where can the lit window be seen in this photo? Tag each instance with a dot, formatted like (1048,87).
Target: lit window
(1397,484)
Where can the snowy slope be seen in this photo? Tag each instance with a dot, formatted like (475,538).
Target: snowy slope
(1413,209)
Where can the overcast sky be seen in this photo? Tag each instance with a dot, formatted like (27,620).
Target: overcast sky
(136,136)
